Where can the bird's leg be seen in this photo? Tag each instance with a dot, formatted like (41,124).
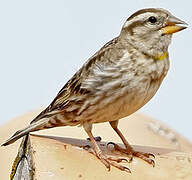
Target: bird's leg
(107,161)
(128,150)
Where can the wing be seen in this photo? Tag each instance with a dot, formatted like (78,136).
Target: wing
(85,81)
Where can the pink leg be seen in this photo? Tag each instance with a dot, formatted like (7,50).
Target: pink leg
(107,161)
(128,150)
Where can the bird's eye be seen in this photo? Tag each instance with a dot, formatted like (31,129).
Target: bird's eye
(152,19)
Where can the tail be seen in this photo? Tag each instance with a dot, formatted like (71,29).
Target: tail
(32,127)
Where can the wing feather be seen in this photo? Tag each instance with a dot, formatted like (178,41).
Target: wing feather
(74,90)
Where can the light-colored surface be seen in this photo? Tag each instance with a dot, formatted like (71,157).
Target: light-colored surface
(44,42)
(72,163)
(139,130)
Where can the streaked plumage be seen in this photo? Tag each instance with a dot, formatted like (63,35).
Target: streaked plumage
(115,82)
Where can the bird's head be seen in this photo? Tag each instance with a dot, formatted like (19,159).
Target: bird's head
(150,30)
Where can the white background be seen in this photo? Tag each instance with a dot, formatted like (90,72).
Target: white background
(43,43)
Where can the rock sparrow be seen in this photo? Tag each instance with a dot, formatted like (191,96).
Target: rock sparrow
(115,82)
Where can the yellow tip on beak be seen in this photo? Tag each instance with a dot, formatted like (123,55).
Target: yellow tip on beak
(172,26)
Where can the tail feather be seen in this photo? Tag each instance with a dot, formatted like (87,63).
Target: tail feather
(32,127)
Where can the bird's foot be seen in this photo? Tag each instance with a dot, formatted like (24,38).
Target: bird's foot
(131,153)
(109,161)
(112,161)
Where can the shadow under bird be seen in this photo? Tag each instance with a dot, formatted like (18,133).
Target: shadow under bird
(115,82)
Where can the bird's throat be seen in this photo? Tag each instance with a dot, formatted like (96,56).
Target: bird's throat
(160,57)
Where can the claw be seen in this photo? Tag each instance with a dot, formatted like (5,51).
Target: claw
(123,159)
(145,157)
(126,169)
(109,168)
(104,161)
(131,159)
(130,152)
(152,155)
(122,168)
(107,165)
(109,161)
(152,162)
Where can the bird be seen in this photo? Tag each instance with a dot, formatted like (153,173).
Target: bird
(115,82)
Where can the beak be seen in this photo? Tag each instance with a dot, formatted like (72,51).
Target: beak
(173,25)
